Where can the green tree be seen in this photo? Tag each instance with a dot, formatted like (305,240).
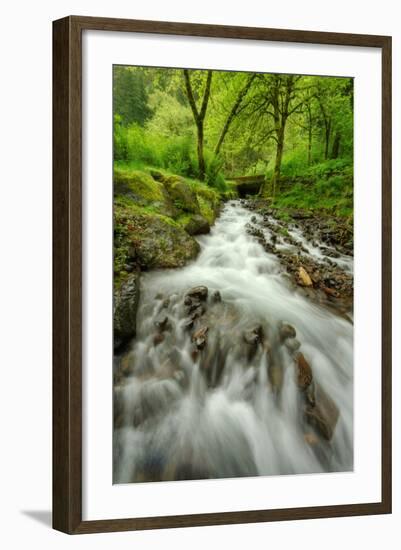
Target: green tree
(130,97)
(199,115)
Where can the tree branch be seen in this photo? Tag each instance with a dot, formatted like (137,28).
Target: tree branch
(190,95)
(206,95)
(242,93)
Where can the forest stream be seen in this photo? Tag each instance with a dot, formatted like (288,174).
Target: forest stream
(233,370)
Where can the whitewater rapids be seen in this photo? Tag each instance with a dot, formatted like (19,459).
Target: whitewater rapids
(184,428)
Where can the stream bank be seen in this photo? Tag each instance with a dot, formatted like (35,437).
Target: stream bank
(316,251)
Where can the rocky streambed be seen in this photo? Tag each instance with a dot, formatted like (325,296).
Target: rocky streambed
(242,363)
(316,252)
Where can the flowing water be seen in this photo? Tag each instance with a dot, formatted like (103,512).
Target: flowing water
(231,409)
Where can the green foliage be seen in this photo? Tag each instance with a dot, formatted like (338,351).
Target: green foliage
(131,143)
(330,167)
(130,97)
(294,162)
(327,187)
(155,126)
(169,116)
(214,175)
(178,156)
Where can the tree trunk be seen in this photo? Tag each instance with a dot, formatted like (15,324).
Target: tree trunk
(336,146)
(310,124)
(327,140)
(199,116)
(201,158)
(310,145)
(277,163)
(274,183)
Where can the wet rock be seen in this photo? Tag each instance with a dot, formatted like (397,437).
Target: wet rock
(200,337)
(126,299)
(311,439)
(304,372)
(127,364)
(310,394)
(271,249)
(188,324)
(198,293)
(216,296)
(329,291)
(166,303)
(275,375)
(212,362)
(151,399)
(324,415)
(254,335)
(287,331)
(197,225)
(197,312)
(118,408)
(304,277)
(161,322)
(179,376)
(194,304)
(292,344)
(255,232)
(158,338)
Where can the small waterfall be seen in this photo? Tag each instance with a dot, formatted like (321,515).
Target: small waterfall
(212,386)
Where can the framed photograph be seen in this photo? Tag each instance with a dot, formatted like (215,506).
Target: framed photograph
(222,275)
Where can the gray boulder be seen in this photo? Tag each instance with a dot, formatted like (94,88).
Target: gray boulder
(126,299)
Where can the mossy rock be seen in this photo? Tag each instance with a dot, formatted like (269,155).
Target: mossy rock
(155,241)
(182,195)
(208,199)
(142,190)
(194,224)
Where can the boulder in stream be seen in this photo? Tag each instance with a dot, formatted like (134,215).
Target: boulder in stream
(304,372)
(254,335)
(287,331)
(292,344)
(324,415)
(198,293)
(126,299)
(161,322)
(200,337)
(304,277)
(276,375)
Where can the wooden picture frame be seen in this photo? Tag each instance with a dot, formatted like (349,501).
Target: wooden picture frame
(67,274)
